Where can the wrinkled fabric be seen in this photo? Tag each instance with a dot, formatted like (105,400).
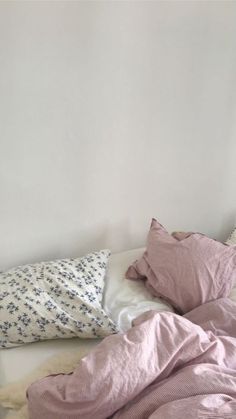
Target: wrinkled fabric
(163,367)
(185,269)
(52,300)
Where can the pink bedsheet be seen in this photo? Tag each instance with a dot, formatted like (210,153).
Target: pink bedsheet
(165,366)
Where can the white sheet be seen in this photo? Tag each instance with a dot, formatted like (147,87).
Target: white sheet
(124,300)
(19,361)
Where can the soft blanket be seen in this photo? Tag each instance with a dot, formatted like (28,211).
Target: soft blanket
(13,395)
(165,366)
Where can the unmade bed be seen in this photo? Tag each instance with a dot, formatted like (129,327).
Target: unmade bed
(123,302)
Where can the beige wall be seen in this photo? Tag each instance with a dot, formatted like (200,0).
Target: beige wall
(111,113)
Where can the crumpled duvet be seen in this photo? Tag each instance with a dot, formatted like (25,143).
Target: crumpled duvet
(166,366)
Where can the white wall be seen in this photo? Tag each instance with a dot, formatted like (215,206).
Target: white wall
(111,113)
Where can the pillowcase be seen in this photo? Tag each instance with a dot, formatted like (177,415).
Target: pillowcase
(232,238)
(231,241)
(58,299)
(185,271)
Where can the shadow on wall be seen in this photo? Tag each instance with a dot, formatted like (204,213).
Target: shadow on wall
(116,236)
(66,244)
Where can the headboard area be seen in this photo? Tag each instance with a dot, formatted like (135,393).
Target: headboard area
(112,113)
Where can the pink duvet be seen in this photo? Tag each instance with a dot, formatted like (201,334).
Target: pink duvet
(166,366)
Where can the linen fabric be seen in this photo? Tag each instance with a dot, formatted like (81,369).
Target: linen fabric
(163,367)
(186,270)
(58,299)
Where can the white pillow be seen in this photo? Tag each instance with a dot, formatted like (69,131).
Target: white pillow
(58,299)
(232,242)
(232,238)
(124,300)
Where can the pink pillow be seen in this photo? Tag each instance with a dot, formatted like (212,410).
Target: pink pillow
(188,270)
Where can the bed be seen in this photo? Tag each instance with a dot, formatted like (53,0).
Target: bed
(123,301)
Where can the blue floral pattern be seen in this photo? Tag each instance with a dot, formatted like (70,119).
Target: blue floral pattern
(49,300)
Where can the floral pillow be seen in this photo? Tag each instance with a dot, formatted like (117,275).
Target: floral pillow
(58,299)
(186,270)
